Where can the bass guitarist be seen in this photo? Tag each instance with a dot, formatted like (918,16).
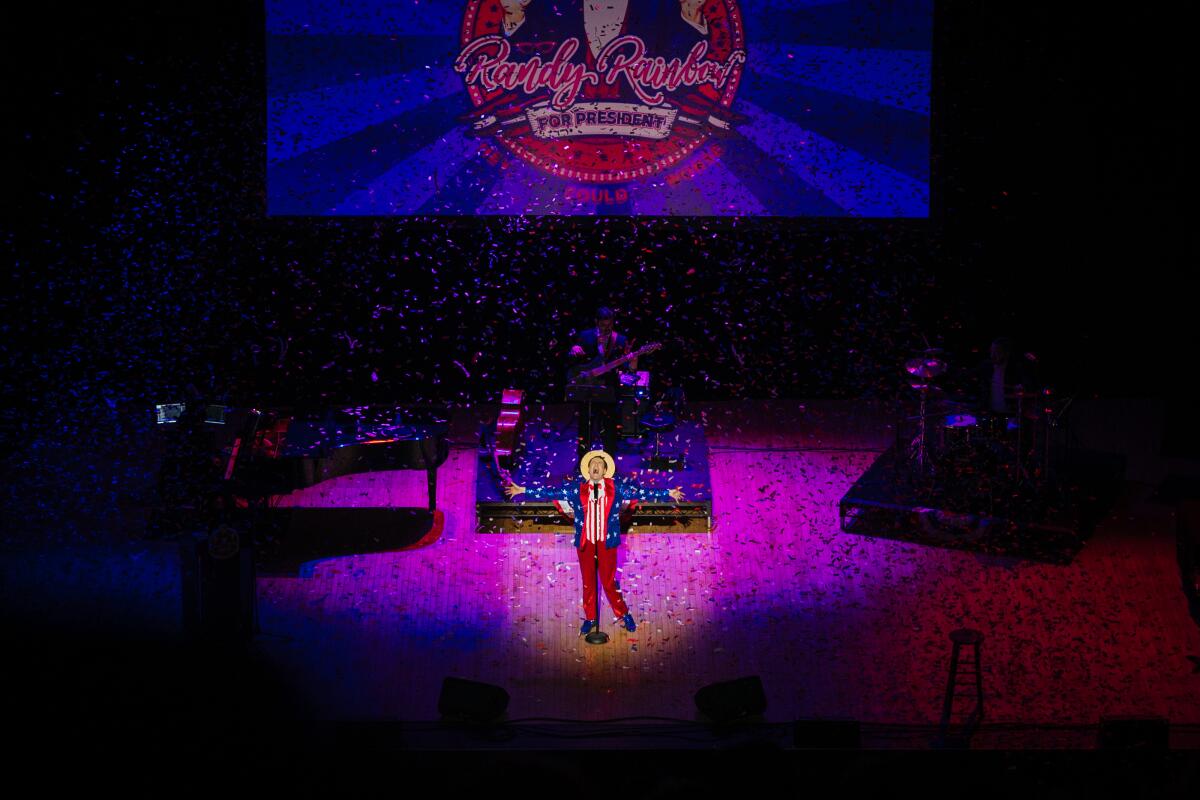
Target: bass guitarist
(593,348)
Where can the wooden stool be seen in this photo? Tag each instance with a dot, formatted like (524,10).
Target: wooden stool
(964,637)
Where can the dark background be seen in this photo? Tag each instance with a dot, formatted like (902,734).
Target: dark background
(144,261)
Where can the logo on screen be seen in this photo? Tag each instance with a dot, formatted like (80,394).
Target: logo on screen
(601,92)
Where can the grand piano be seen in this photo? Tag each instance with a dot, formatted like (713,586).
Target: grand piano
(272,453)
(223,465)
(290,452)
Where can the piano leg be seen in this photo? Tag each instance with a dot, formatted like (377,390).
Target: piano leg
(429,454)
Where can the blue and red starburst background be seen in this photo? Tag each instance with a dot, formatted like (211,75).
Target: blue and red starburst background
(364,118)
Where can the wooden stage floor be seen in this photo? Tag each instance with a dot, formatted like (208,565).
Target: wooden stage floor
(835,625)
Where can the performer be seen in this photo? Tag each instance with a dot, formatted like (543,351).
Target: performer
(592,348)
(999,376)
(595,501)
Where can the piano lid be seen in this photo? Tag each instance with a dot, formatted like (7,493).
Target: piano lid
(317,434)
(313,439)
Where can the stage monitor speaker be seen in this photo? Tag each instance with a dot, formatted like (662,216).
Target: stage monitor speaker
(731,700)
(827,734)
(1134,733)
(472,701)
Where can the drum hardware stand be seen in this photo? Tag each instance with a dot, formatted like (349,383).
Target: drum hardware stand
(922,370)
(922,422)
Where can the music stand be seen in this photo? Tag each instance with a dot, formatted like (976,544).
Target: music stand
(589,393)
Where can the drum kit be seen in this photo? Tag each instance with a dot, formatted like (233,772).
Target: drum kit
(955,437)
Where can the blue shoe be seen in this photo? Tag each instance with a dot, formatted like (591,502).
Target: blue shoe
(630,625)
(587,626)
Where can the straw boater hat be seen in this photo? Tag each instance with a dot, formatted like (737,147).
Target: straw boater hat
(610,466)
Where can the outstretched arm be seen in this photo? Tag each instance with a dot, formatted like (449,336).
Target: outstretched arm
(632,491)
(560,492)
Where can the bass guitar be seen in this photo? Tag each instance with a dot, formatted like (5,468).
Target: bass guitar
(589,372)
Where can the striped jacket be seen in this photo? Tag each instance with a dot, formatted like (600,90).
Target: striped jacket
(573,495)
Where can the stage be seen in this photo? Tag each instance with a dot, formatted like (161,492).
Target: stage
(836,625)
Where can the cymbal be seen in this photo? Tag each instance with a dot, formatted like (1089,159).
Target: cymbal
(926,366)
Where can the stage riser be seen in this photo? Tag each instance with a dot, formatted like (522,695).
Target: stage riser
(547,455)
(938,528)
(1048,524)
